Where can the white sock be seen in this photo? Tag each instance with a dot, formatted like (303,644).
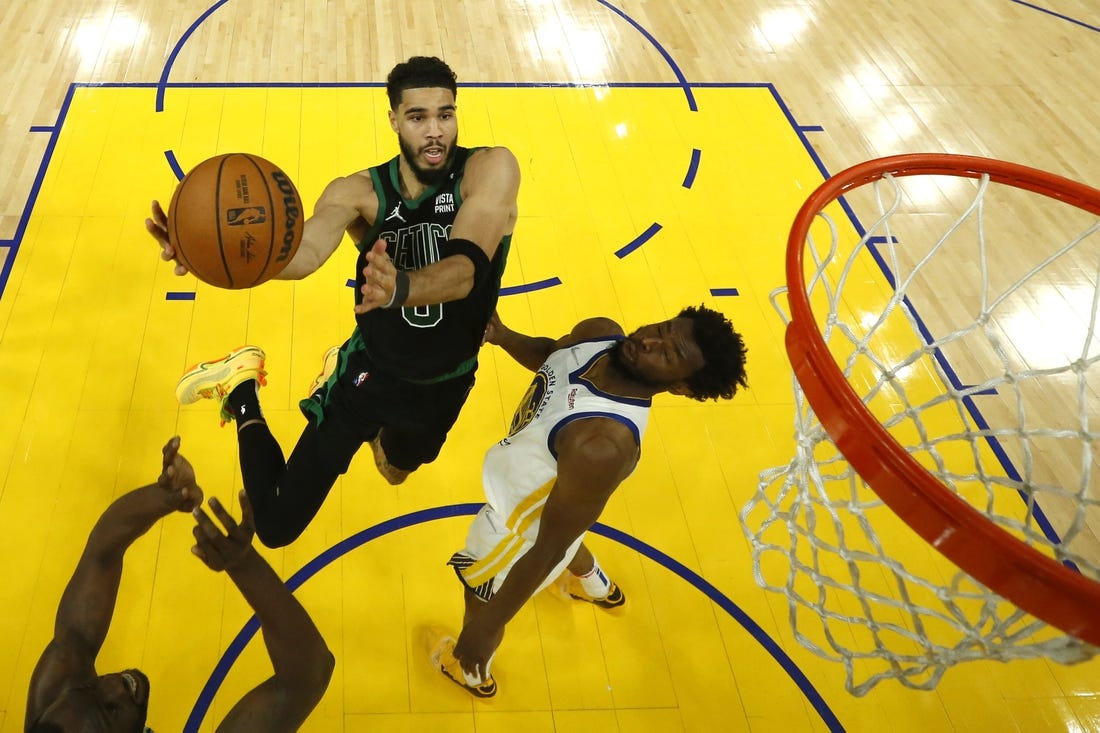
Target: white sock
(594,582)
(474,680)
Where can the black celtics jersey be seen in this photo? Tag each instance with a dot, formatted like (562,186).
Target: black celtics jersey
(428,342)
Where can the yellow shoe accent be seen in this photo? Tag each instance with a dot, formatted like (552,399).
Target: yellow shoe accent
(328,366)
(570,585)
(214,380)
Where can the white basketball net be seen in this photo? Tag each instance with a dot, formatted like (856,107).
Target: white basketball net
(971,399)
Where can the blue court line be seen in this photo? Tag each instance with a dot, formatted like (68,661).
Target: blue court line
(176,51)
(531,287)
(722,292)
(326,558)
(43,128)
(661,50)
(179,295)
(693,168)
(1057,15)
(811,128)
(170,156)
(21,227)
(638,241)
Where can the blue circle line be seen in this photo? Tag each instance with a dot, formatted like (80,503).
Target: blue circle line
(660,49)
(174,164)
(638,241)
(1057,15)
(693,168)
(530,287)
(176,50)
(221,669)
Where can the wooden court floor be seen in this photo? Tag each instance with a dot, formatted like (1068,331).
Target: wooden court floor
(664,150)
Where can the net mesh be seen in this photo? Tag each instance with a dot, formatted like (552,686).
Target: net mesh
(995,390)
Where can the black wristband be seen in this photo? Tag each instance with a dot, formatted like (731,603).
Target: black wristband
(472,252)
(400,290)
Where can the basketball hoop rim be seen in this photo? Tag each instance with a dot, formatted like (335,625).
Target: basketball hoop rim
(1036,583)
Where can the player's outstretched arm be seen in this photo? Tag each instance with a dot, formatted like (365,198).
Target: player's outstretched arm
(303,663)
(157,226)
(343,202)
(528,351)
(88,602)
(532,351)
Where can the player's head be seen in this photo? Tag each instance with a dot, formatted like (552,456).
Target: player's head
(724,352)
(420,72)
(115,703)
(422,94)
(697,354)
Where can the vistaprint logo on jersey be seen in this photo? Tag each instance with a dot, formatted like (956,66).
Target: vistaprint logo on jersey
(444,203)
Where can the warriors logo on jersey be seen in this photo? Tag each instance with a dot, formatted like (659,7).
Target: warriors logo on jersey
(542,386)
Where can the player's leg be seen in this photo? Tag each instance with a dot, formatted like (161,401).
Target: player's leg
(417,425)
(289,499)
(586,581)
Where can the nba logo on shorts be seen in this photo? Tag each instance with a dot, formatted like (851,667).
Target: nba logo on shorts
(362,377)
(247,215)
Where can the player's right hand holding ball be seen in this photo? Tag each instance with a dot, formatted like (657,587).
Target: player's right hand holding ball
(157,226)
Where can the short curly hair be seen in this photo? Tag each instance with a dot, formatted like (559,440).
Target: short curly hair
(724,353)
(419,72)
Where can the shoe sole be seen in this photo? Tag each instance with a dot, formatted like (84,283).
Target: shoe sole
(216,370)
(604,602)
(481,692)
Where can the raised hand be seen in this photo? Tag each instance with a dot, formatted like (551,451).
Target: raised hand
(222,551)
(157,226)
(381,276)
(177,478)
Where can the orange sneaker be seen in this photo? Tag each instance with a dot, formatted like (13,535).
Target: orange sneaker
(214,380)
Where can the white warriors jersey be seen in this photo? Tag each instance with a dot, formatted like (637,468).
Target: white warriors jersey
(520,470)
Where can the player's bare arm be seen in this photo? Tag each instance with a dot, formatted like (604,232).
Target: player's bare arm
(88,601)
(303,663)
(594,456)
(490,188)
(529,351)
(532,351)
(347,205)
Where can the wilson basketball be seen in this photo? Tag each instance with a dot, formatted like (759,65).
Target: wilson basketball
(235,220)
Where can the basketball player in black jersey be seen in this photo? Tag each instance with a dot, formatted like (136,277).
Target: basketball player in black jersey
(433,227)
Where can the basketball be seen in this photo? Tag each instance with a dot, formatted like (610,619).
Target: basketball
(235,220)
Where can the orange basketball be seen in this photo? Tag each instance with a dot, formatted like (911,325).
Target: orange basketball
(235,220)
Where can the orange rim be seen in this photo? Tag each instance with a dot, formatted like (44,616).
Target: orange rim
(1034,582)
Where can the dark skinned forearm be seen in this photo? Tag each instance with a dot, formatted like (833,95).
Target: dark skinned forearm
(293,642)
(528,351)
(125,520)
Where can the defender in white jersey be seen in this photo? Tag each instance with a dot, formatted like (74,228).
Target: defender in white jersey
(574,438)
